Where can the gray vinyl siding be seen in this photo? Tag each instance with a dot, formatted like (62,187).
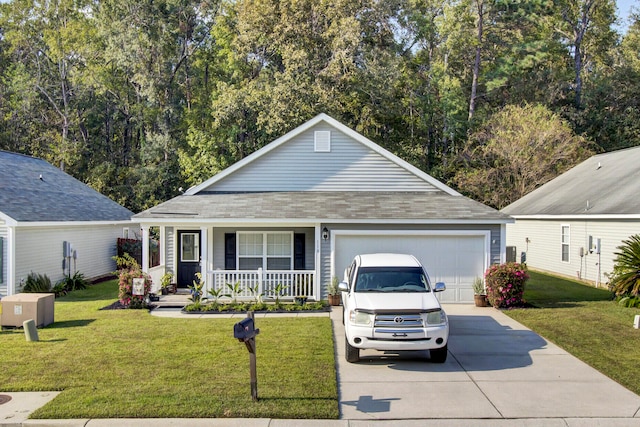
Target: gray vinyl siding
(218,244)
(544,249)
(295,166)
(39,250)
(169,254)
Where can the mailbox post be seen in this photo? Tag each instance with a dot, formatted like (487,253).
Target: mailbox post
(246,332)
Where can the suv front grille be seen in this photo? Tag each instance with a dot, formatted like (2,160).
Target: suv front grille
(398,321)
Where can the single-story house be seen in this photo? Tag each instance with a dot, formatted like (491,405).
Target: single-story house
(53,224)
(298,210)
(573,224)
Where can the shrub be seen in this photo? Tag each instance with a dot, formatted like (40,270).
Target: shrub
(75,282)
(36,283)
(128,270)
(625,279)
(505,284)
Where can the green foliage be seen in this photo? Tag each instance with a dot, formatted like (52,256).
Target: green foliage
(478,286)
(505,284)
(516,151)
(240,307)
(625,278)
(235,289)
(37,283)
(128,270)
(332,289)
(75,282)
(196,289)
(138,99)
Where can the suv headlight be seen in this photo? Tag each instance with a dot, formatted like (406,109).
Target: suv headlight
(359,318)
(436,317)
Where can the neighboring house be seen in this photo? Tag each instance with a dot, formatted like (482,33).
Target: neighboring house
(40,208)
(573,224)
(297,211)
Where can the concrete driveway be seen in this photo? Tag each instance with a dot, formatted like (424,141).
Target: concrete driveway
(496,369)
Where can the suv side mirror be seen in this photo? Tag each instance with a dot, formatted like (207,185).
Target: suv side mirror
(440,286)
(343,287)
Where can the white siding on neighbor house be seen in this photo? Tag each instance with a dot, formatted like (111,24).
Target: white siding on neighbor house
(39,250)
(544,249)
(296,166)
(4,247)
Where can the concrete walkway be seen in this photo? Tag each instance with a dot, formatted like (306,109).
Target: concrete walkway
(498,373)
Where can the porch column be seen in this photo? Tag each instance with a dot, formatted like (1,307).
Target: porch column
(316,283)
(11,260)
(204,259)
(145,248)
(162,246)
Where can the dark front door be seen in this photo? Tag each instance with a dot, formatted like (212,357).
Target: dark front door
(188,257)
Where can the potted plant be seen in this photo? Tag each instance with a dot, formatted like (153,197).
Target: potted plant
(479,293)
(334,293)
(165,283)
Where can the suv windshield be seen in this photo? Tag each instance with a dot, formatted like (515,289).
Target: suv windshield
(391,279)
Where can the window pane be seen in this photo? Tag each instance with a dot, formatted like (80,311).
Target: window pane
(278,263)
(189,249)
(279,244)
(250,263)
(250,245)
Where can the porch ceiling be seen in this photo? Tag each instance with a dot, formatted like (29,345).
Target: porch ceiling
(325,206)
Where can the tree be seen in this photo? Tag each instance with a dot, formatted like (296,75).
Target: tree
(626,269)
(517,150)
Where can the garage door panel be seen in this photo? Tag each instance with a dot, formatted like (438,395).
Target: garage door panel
(455,260)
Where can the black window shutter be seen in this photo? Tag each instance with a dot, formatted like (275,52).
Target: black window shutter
(229,251)
(298,251)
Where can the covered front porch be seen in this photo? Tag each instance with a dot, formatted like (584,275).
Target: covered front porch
(244,263)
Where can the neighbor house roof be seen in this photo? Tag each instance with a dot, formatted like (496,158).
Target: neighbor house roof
(32,190)
(604,185)
(343,206)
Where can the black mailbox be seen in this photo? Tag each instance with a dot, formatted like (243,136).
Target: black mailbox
(244,329)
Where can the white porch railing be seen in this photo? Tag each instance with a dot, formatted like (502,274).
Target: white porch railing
(250,284)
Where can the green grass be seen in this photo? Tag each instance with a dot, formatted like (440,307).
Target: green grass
(586,322)
(127,363)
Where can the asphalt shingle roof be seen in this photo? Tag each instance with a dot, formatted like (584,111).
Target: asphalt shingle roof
(605,184)
(57,196)
(339,206)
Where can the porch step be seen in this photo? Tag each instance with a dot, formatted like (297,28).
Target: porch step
(178,300)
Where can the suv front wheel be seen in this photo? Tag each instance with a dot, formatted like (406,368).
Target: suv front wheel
(439,355)
(352,354)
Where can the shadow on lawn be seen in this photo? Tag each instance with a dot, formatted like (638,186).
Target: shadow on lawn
(71,323)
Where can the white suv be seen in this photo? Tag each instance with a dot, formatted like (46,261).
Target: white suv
(389,304)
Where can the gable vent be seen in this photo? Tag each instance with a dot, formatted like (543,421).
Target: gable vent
(322,141)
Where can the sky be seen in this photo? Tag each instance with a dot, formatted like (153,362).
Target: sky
(624,7)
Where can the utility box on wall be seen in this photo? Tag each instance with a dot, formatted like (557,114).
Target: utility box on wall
(20,307)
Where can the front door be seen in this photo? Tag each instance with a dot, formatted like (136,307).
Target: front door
(188,257)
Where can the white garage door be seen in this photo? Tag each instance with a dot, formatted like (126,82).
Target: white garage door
(450,258)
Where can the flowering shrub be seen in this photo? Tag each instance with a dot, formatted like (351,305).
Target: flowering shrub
(128,269)
(505,284)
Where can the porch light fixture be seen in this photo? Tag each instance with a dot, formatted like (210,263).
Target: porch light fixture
(325,234)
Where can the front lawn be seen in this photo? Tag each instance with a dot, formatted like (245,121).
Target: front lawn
(586,322)
(127,363)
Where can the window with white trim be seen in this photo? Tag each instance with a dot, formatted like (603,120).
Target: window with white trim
(565,243)
(267,250)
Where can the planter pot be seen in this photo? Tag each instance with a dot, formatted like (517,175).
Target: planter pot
(334,300)
(481,300)
(165,291)
(154,298)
